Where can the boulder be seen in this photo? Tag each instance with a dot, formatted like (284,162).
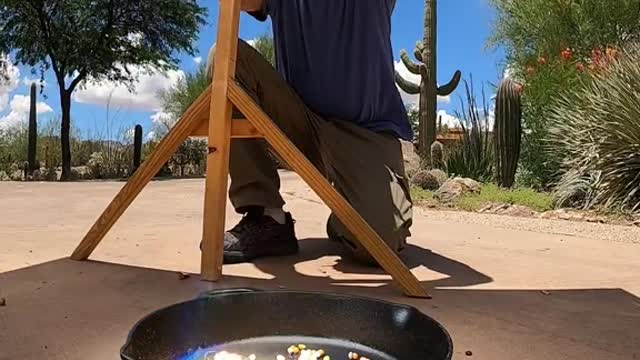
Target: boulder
(452,189)
(440,175)
(411,158)
(17,175)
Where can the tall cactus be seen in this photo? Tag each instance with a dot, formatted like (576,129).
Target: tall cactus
(507,131)
(425,54)
(137,147)
(33,132)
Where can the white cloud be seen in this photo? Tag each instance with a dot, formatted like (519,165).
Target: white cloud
(135,39)
(39,82)
(447,119)
(508,72)
(19,111)
(453,121)
(161,117)
(197,59)
(151,135)
(252,42)
(22,103)
(407,75)
(9,84)
(144,96)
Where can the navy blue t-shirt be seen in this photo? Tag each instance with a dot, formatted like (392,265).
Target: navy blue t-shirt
(337,55)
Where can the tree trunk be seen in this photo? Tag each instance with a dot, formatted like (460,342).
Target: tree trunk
(65,102)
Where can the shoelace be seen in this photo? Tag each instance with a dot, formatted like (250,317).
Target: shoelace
(246,222)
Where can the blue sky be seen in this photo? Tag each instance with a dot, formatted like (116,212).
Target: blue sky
(463,28)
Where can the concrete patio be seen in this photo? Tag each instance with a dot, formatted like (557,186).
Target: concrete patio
(502,292)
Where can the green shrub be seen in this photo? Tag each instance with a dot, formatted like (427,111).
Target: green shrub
(549,47)
(595,131)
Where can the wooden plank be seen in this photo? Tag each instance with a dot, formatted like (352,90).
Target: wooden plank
(140,178)
(336,202)
(220,113)
(240,129)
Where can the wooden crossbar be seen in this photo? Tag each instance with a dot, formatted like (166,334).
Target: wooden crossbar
(211,116)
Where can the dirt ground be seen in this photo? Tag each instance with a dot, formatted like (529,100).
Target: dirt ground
(505,288)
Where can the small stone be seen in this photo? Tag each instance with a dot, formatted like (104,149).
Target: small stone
(3,302)
(183,276)
(545,292)
(252,357)
(280,357)
(468,353)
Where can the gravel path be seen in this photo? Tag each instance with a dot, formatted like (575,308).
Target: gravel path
(607,232)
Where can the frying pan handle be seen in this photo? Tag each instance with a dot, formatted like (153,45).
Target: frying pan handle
(217,292)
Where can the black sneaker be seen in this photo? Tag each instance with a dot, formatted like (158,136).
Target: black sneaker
(257,235)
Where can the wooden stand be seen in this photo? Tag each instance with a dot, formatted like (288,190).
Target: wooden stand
(216,104)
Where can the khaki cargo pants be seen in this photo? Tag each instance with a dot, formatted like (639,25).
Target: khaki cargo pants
(367,168)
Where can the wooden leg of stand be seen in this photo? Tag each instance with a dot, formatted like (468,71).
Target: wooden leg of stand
(215,202)
(167,147)
(337,203)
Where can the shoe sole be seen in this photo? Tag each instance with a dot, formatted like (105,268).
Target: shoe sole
(238,257)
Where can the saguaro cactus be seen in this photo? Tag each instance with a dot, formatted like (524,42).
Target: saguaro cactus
(33,132)
(137,147)
(507,131)
(425,54)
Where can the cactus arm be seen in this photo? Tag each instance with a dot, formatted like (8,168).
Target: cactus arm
(417,53)
(410,65)
(407,86)
(448,88)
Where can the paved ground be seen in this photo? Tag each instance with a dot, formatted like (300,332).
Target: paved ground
(487,271)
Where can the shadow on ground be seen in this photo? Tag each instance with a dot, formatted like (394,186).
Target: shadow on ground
(70,310)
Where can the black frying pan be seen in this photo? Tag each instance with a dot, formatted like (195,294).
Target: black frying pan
(265,323)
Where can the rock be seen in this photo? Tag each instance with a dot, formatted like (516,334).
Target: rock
(507,209)
(518,210)
(4,176)
(473,185)
(440,175)
(49,175)
(81,172)
(452,189)
(17,175)
(36,176)
(411,158)
(425,180)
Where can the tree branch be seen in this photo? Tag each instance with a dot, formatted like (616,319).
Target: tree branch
(81,76)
